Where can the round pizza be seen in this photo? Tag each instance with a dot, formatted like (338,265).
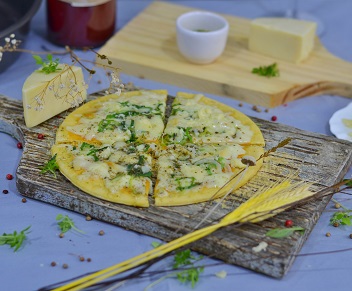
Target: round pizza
(138,150)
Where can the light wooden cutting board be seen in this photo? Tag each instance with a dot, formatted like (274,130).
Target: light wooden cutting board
(146,47)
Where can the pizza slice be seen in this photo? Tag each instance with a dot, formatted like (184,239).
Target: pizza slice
(191,173)
(136,116)
(120,173)
(198,119)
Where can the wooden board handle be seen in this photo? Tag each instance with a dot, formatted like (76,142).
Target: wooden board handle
(318,88)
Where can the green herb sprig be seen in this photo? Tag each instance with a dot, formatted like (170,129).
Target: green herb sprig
(51,166)
(192,272)
(14,240)
(49,65)
(185,265)
(267,71)
(342,217)
(65,223)
(284,232)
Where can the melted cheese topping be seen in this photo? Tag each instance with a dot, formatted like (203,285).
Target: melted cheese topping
(193,121)
(129,119)
(181,168)
(120,166)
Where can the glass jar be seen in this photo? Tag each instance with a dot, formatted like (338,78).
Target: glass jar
(80,23)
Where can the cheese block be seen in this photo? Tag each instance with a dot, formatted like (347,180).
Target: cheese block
(283,38)
(46,95)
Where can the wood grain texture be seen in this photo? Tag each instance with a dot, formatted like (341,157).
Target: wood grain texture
(317,158)
(146,47)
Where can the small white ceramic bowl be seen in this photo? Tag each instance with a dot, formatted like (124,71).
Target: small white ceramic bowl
(201,36)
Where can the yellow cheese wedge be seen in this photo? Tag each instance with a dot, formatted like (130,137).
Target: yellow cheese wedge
(46,95)
(283,38)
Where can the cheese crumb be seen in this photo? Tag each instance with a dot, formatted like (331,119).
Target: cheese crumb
(222,274)
(261,247)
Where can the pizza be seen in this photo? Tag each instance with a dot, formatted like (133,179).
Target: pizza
(137,149)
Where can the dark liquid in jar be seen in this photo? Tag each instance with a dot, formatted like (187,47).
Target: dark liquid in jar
(80,27)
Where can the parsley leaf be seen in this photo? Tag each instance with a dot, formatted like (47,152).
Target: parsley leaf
(341,218)
(267,71)
(284,232)
(49,65)
(15,239)
(51,166)
(65,223)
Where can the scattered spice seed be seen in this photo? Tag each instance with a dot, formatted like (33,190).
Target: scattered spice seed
(328,234)
(337,205)
(19,145)
(88,218)
(273,118)
(5,191)
(351,235)
(24,200)
(9,177)
(40,136)
(101,232)
(53,264)
(65,266)
(240,105)
(336,224)
(89,259)
(61,235)
(82,259)
(256,108)
(266,110)
(288,223)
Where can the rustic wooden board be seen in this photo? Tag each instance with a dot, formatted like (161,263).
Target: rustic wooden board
(146,47)
(317,158)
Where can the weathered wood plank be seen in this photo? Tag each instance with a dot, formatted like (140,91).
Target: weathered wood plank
(317,158)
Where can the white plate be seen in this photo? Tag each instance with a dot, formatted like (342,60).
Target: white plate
(337,126)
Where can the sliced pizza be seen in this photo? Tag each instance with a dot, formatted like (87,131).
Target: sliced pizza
(120,173)
(136,116)
(197,119)
(191,173)
(114,147)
